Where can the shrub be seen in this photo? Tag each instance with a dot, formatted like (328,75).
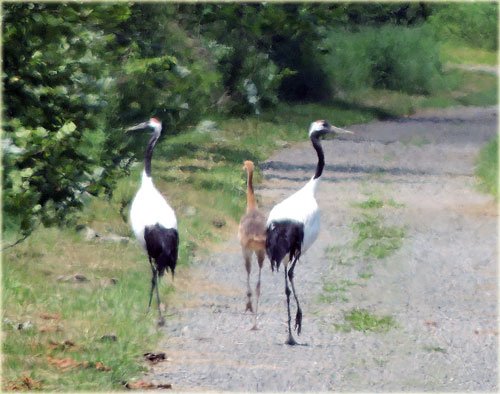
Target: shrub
(54,69)
(165,72)
(475,23)
(389,57)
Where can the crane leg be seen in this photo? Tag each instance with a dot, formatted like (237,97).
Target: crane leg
(298,316)
(161,320)
(290,340)
(261,255)
(153,283)
(248,266)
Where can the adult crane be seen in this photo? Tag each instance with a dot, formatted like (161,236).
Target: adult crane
(153,220)
(293,224)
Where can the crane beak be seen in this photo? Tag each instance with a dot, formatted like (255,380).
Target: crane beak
(336,130)
(139,126)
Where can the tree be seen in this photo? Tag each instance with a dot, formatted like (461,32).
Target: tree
(74,76)
(54,75)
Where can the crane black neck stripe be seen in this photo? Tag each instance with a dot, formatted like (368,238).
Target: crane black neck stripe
(149,153)
(321,156)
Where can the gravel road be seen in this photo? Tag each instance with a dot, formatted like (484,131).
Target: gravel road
(440,286)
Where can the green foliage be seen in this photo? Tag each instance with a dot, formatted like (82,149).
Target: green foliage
(72,80)
(380,13)
(226,30)
(388,57)
(487,167)
(52,78)
(264,50)
(163,71)
(473,23)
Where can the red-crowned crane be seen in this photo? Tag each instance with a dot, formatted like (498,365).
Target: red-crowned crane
(153,220)
(293,224)
(252,235)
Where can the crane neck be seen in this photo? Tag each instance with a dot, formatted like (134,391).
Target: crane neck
(149,153)
(251,203)
(321,156)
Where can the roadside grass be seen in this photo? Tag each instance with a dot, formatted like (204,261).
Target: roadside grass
(365,321)
(487,168)
(460,88)
(201,175)
(111,300)
(461,54)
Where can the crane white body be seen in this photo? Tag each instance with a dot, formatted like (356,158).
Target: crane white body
(302,208)
(149,207)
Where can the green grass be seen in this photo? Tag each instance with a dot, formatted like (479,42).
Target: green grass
(366,273)
(373,202)
(335,291)
(487,168)
(198,170)
(370,203)
(459,87)
(462,54)
(78,312)
(365,321)
(374,238)
(397,58)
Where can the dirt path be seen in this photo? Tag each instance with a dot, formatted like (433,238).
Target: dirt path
(440,287)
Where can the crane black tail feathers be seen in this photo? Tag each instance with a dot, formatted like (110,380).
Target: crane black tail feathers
(162,245)
(284,237)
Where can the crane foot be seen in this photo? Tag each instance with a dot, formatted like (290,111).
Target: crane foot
(291,341)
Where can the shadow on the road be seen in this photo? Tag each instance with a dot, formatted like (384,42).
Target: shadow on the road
(353,169)
(357,171)
(438,119)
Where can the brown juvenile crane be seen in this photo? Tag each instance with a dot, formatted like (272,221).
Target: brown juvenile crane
(252,235)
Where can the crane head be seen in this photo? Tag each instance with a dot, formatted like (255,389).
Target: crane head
(154,123)
(248,165)
(322,127)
